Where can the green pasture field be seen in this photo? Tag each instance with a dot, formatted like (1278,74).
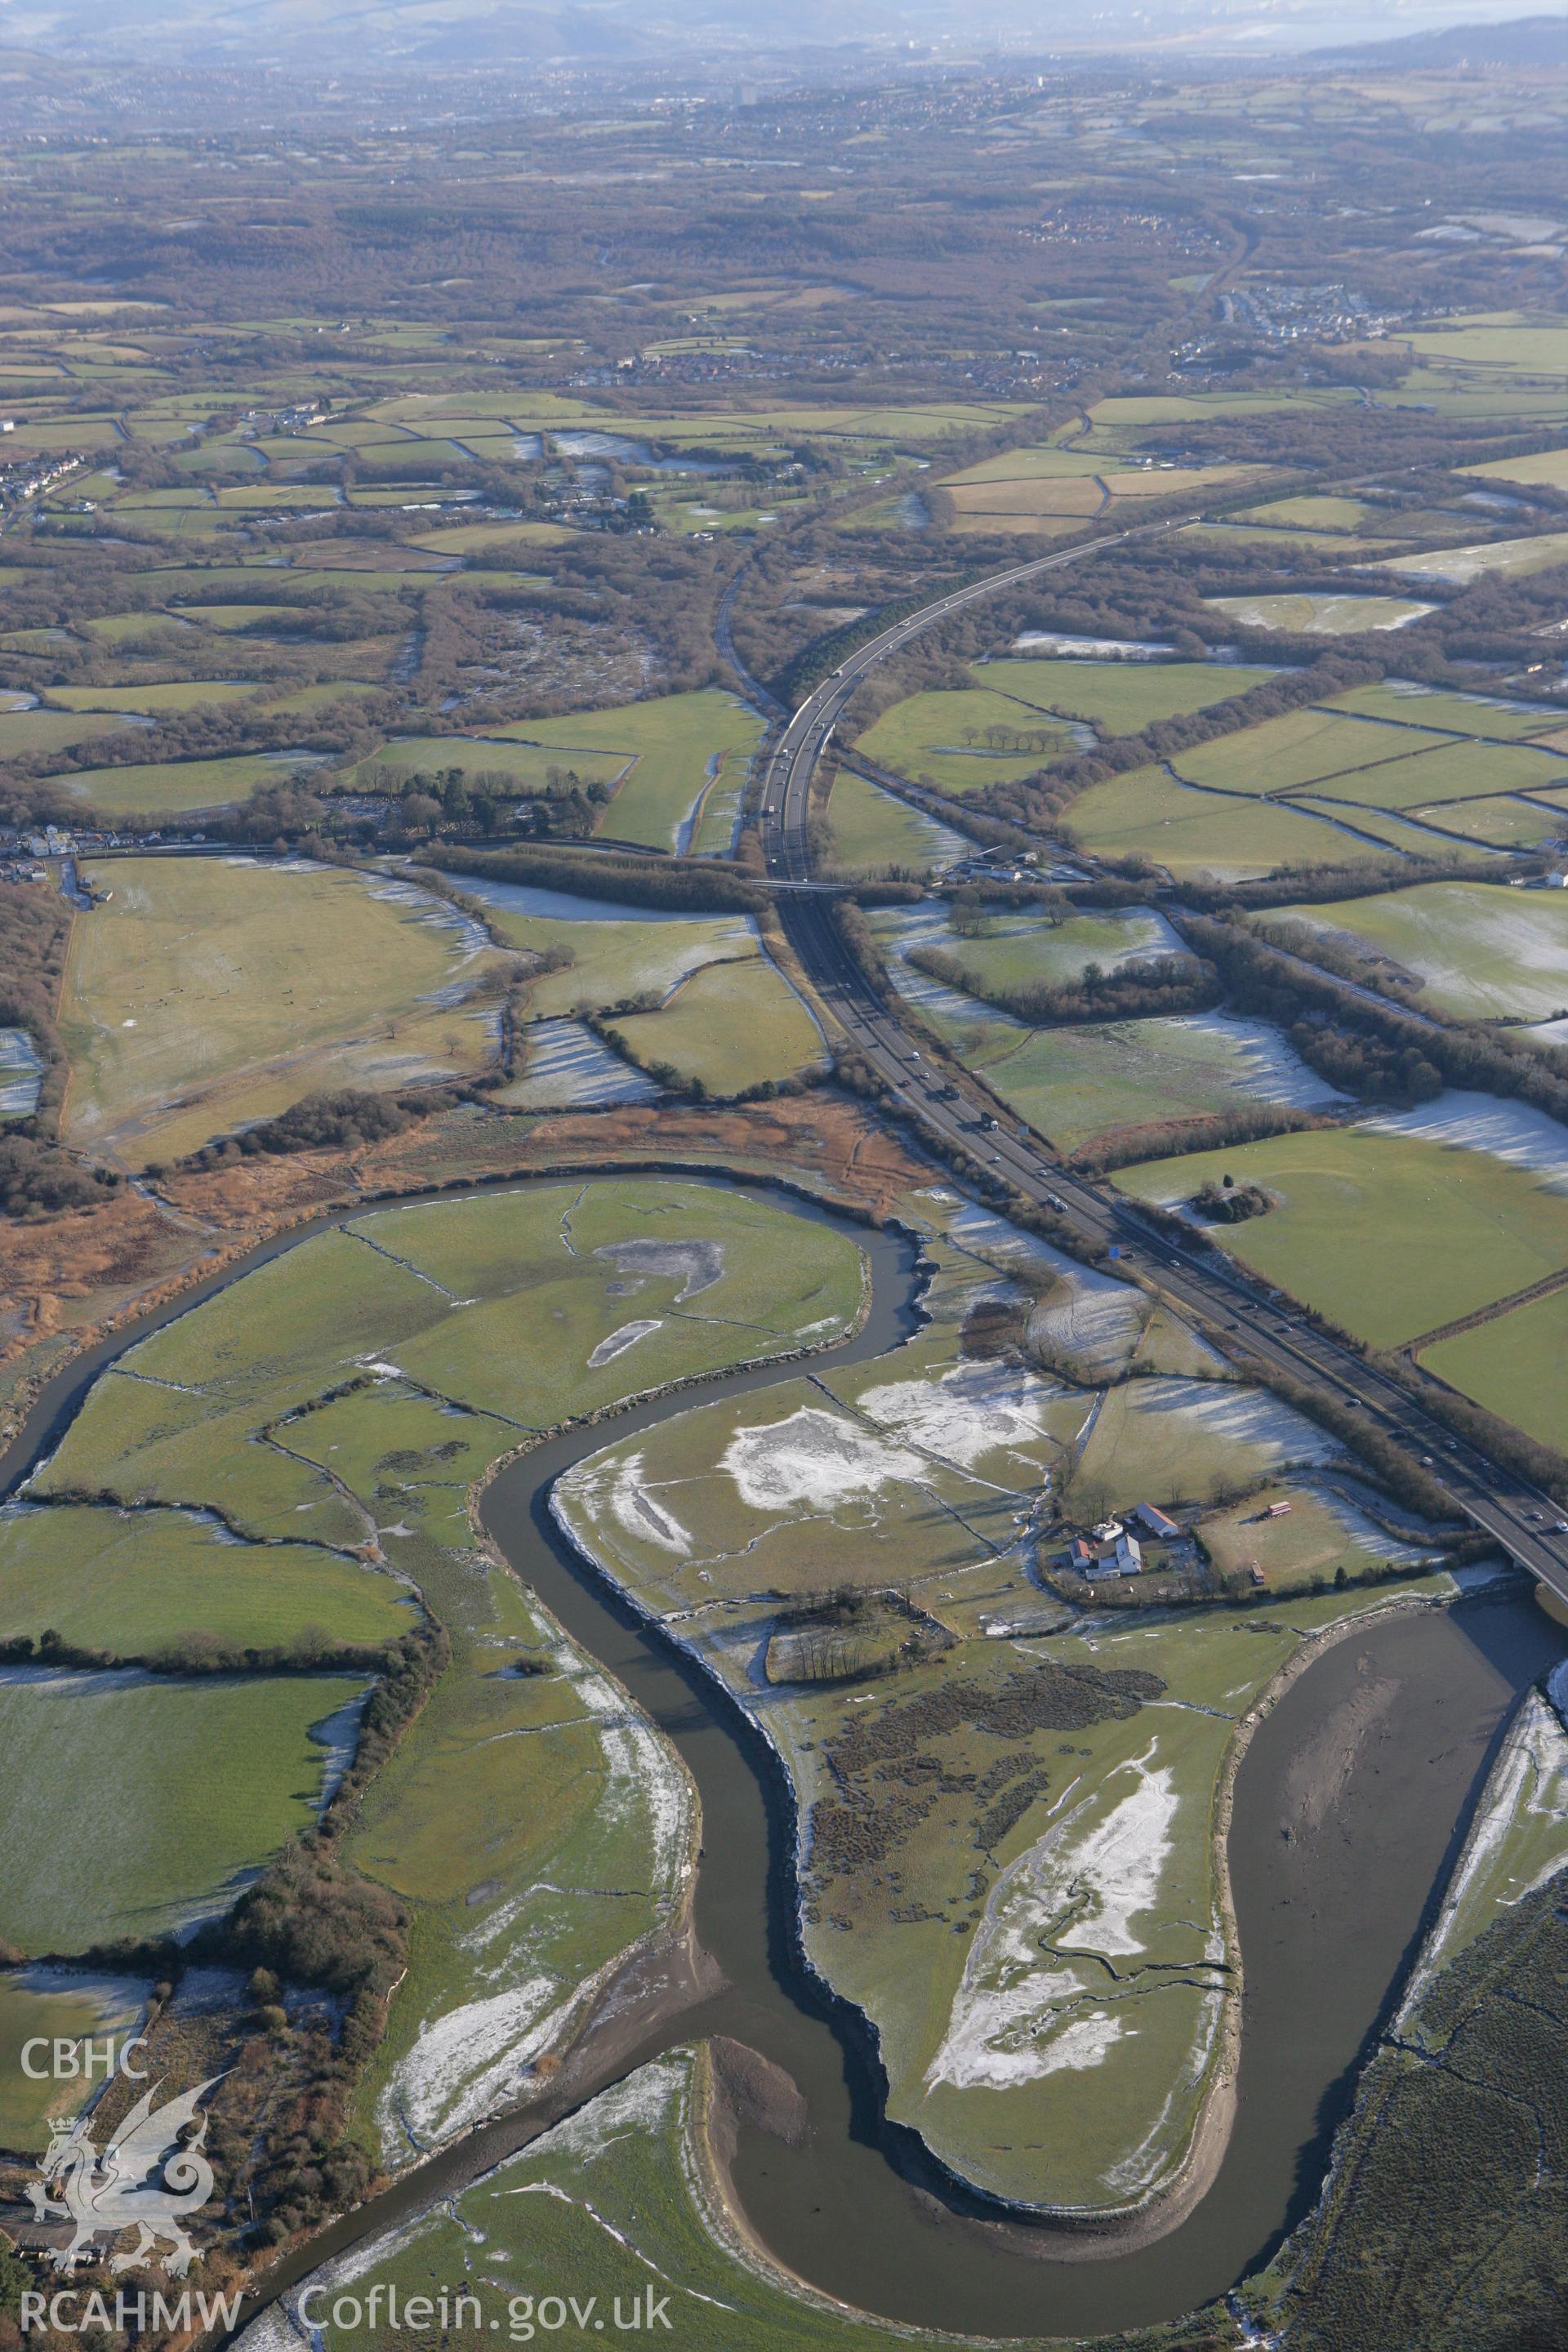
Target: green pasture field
(1051,504)
(193,1782)
(1304,747)
(1026,465)
(1440,833)
(1331,514)
(308,573)
(732,1025)
(871,830)
(1463,714)
(1548,468)
(959,740)
(1189,831)
(1499,823)
(1512,342)
(1143,409)
(1014,949)
(215,456)
(184,693)
(1484,951)
(232,619)
(1389,1235)
(311,1319)
(1121,697)
(1323,615)
(128,1581)
(1225,537)
(1186,1441)
(478,537)
(41,439)
(676,742)
(1453,772)
(525,766)
(1075,1083)
(534,1829)
(611,960)
(1514,1366)
(178,787)
(24,734)
(204,992)
(57,2004)
(264,496)
(1511,559)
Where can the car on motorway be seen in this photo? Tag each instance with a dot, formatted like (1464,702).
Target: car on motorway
(1055,1200)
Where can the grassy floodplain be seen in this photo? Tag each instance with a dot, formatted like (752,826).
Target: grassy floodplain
(208,990)
(623,2199)
(130,1582)
(972,1928)
(346,1395)
(1389,1235)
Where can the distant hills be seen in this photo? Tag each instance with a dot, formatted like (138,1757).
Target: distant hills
(355,36)
(1522,41)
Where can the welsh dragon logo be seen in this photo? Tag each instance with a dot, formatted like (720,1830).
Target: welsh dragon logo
(147,2180)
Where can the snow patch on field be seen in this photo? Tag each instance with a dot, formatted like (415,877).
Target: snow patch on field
(615,1344)
(974,1409)
(814,1457)
(643,1779)
(1264,1064)
(640,2107)
(465,2063)
(1523,1817)
(1024,2010)
(1473,1122)
(1092,1320)
(699,1264)
(630,1504)
(1239,1416)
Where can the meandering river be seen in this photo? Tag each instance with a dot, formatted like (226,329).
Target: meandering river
(1349,1807)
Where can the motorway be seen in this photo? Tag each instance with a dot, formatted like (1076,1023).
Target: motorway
(1236,1311)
